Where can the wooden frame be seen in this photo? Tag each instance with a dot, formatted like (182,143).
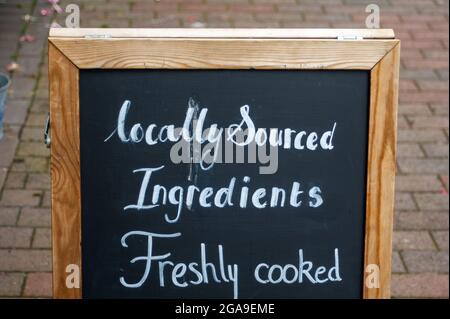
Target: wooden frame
(74,49)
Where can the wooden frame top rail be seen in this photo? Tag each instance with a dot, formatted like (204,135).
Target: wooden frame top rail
(223,33)
(215,53)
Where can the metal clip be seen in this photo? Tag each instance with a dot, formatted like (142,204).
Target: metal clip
(97,36)
(349,37)
(47,138)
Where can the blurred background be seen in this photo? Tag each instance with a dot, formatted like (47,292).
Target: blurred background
(420,257)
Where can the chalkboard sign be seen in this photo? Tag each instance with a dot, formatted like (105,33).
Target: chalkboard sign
(183,170)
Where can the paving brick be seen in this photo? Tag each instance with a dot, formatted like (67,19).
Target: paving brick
(218,24)
(42,92)
(42,238)
(252,8)
(417,183)
(439,54)
(33,134)
(13,197)
(424,166)
(11,284)
(443,75)
(38,285)
(418,74)
(38,181)
(278,17)
(40,106)
(30,164)
(425,64)
(409,150)
(47,199)
(16,111)
(159,6)
(428,121)
(39,217)
(3,172)
(36,119)
(15,237)
(33,149)
(436,17)
(433,85)
(414,109)
(397,263)
(425,261)
(432,201)
(8,216)
(28,67)
(8,146)
(25,260)
(441,238)
(402,122)
(198,7)
(439,109)
(444,179)
(421,220)
(12,129)
(409,240)
(217,1)
(404,201)
(22,87)
(421,135)
(301,8)
(31,48)
(419,286)
(320,17)
(413,4)
(16,180)
(413,53)
(436,149)
(408,85)
(423,97)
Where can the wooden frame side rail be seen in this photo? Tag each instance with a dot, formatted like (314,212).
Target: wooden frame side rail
(72,49)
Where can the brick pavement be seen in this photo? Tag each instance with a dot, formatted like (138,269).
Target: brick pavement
(422,208)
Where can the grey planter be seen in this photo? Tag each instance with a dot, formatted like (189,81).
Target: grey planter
(4,84)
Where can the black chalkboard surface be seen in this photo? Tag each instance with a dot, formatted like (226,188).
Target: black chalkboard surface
(312,246)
